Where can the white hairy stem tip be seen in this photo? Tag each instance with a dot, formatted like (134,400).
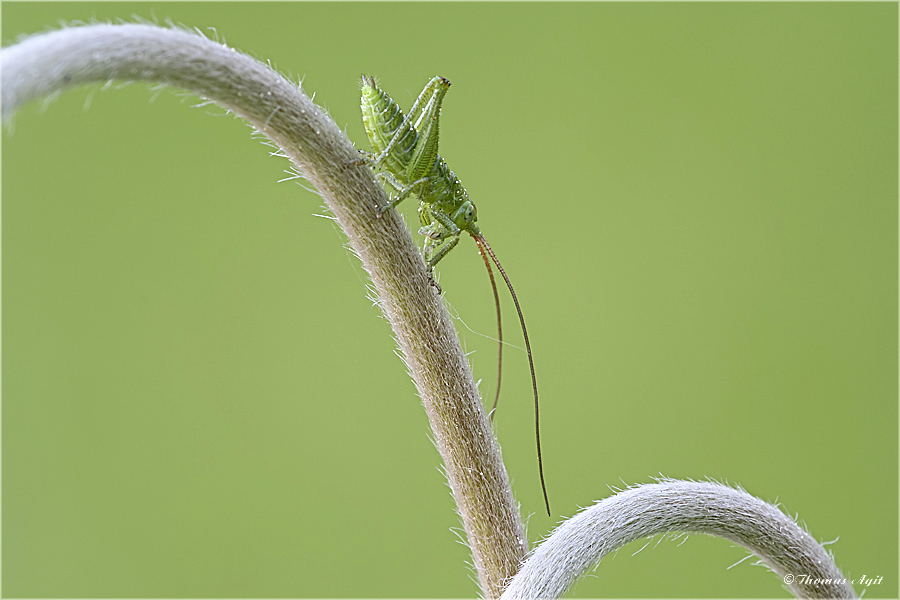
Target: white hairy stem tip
(47,63)
(578,545)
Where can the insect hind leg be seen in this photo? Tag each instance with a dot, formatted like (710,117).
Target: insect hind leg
(414,115)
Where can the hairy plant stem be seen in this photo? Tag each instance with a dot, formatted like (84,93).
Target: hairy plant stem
(579,544)
(46,63)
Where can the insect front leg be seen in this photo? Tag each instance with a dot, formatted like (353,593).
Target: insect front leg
(442,252)
(442,228)
(432,231)
(429,232)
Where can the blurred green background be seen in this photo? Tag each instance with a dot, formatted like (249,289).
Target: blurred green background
(697,204)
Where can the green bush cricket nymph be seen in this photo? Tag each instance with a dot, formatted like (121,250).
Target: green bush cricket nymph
(406,160)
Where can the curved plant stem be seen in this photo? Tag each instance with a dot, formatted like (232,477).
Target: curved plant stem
(47,63)
(579,544)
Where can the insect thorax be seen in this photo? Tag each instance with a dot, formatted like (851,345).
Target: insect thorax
(446,189)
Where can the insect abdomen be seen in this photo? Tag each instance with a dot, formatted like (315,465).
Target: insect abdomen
(383,119)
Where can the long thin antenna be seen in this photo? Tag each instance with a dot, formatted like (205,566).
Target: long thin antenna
(487,264)
(537,418)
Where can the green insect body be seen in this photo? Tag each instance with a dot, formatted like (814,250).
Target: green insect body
(406,150)
(406,160)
